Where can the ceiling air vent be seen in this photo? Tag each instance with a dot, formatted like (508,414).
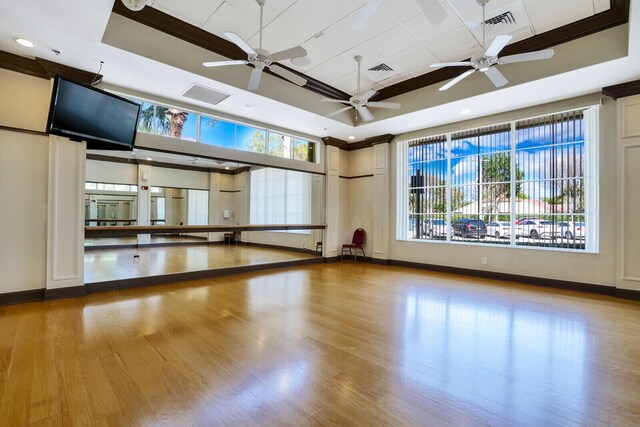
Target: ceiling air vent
(381,67)
(204,94)
(505,18)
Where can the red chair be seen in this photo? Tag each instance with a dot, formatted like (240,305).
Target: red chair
(357,243)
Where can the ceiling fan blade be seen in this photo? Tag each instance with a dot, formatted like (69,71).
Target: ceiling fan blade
(335,113)
(294,52)
(365,113)
(451,64)
(498,44)
(458,79)
(254,81)
(433,10)
(365,13)
(224,63)
(529,56)
(390,105)
(239,41)
(368,94)
(496,77)
(292,77)
(341,101)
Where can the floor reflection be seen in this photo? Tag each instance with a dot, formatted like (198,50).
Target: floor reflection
(484,351)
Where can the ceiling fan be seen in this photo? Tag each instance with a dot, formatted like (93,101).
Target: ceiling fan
(262,59)
(486,62)
(431,8)
(361,102)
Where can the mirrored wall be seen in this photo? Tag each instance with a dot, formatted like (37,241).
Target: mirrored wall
(221,194)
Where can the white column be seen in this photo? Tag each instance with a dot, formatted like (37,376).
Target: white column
(331,244)
(215,209)
(65,217)
(144,200)
(628,226)
(381,180)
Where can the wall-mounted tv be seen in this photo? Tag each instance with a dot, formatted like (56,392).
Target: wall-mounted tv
(84,113)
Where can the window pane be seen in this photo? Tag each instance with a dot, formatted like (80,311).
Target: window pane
(251,139)
(299,149)
(550,155)
(276,144)
(175,123)
(217,132)
(146,118)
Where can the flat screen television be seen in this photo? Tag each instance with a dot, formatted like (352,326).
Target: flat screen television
(84,113)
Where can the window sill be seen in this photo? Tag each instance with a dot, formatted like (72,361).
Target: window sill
(498,246)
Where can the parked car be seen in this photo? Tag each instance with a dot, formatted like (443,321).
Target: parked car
(537,228)
(437,228)
(470,228)
(570,229)
(499,229)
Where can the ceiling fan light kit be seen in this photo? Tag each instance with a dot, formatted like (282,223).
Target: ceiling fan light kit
(486,62)
(261,58)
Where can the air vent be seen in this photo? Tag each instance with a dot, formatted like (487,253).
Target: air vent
(204,94)
(502,19)
(381,67)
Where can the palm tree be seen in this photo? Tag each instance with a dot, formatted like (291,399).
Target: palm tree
(167,120)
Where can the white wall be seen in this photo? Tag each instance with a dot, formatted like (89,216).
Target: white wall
(110,172)
(24,103)
(559,265)
(178,178)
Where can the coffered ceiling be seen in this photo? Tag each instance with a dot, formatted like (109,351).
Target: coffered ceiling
(398,34)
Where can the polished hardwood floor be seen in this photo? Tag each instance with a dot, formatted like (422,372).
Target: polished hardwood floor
(102,265)
(337,344)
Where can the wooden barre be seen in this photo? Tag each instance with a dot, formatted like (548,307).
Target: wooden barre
(93,231)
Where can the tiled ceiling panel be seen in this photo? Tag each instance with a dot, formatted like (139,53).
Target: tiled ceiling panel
(397,33)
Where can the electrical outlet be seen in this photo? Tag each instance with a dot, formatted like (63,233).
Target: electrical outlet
(484,260)
(304,246)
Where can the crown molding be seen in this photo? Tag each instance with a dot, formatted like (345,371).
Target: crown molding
(43,68)
(366,143)
(622,90)
(113,159)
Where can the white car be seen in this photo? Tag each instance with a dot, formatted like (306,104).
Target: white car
(499,229)
(537,228)
(571,230)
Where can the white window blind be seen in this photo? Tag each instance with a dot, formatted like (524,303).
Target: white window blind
(280,197)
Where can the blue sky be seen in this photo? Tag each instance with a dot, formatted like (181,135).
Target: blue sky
(534,154)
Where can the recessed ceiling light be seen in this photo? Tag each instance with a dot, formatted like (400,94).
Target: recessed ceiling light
(352,137)
(247,107)
(24,42)
(149,158)
(465,111)
(227,167)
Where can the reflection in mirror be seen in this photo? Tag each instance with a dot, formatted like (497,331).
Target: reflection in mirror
(238,195)
(110,204)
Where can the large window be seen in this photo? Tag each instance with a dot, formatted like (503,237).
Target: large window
(280,196)
(525,183)
(181,124)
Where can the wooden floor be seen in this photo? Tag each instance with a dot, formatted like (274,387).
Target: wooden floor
(102,265)
(335,344)
(91,242)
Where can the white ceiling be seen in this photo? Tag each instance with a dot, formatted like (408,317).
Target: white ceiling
(398,34)
(76,29)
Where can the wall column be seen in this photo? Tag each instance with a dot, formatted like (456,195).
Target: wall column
(381,182)
(214,204)
(65,218)
(628,180)
(332,242)
(144,200)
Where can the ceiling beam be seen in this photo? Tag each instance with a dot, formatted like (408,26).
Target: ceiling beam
(622,90)
(197,36)
(44,69)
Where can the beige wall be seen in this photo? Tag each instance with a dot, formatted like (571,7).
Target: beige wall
(596,268)
(113,173)
(24,103)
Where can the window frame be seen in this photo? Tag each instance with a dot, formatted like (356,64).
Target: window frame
(591,117)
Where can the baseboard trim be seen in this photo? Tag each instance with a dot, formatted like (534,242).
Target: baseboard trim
(21,296)
(63,293)
(113,285)
(538,281)
(627,294)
